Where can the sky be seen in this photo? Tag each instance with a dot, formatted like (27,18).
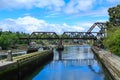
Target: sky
(53,15)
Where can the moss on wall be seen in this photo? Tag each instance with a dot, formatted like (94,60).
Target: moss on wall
(24,65)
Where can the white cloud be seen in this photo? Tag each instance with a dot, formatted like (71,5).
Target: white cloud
(85,4)
(16,4)
(99,12)
(72,7)
(11,25)
(75,6)
(28,4)
(30,24)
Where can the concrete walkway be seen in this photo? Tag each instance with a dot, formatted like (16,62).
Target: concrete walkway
(3,63)
(111,61)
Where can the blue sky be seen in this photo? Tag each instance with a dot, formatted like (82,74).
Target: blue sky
(53,15)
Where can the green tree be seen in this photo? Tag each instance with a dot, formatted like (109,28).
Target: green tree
(4,42)
(114,16)
(113,41)
(11,39)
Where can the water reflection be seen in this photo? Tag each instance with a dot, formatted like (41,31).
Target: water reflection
(60,55)
(74,63)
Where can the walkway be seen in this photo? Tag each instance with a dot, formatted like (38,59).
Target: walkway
(111,61)
(25,57)
(3,63)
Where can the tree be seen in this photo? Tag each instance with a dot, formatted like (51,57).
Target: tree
(11,39)
(4,43)
(114,16)
(113,41)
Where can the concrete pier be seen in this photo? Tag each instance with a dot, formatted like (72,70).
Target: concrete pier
(20,65)
(9,57)
(111,61)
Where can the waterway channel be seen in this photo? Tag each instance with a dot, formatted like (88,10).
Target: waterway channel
(74,63)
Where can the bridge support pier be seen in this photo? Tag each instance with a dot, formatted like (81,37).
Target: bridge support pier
(60,45)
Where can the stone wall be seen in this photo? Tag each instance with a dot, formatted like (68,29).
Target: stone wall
(24,65)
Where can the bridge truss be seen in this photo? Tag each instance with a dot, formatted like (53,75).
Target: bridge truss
(89,35)
(79,35)
(102,27)
(42,36)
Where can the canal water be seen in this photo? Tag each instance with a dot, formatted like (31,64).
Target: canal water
(74,63)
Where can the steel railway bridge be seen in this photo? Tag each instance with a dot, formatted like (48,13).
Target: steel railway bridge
(89,35)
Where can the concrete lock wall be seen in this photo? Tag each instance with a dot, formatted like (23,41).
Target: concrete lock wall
(23,66)
(110,63)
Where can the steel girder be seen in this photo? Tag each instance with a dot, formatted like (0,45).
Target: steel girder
(71,35)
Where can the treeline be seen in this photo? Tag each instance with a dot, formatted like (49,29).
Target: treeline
(112,42)
(10,39)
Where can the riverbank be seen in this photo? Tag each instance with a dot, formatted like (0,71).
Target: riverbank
(23,65)
(14,51)
(110,61)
